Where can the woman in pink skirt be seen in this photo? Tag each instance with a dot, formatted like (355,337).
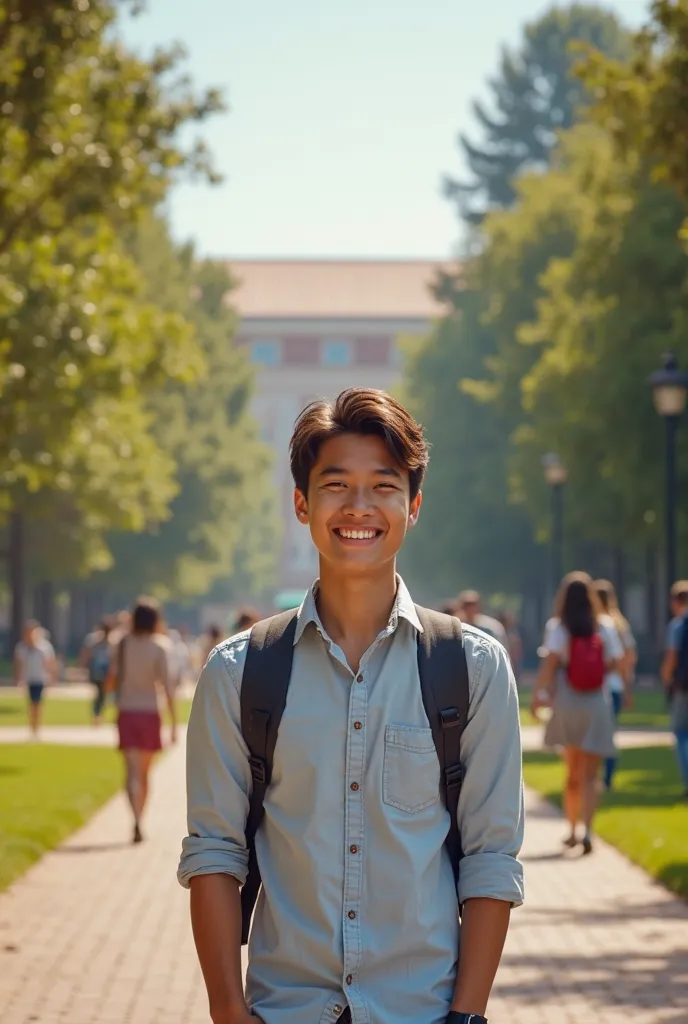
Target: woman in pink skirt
(139,672)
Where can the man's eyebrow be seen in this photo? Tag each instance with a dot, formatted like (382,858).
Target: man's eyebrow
(341,471)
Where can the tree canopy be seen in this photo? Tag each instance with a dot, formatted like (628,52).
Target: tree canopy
(535,94)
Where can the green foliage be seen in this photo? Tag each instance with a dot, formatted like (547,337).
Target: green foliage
(535,95)
(220,522)
(642,102)
(89,136)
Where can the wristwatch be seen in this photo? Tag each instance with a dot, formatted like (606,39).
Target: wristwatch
(465,1018)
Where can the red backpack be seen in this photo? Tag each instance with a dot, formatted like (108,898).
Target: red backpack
(586,667)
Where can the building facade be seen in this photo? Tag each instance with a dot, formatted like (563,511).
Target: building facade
(313,328)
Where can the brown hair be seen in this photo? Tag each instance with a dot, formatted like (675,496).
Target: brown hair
(359,411)
(146,616)
(577,604)
(610,604)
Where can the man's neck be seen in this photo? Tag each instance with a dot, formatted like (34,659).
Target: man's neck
(355,610)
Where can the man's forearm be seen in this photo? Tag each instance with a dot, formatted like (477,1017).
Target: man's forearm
(483,931)
(216,922)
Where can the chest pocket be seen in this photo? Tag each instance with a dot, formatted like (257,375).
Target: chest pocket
(411,773)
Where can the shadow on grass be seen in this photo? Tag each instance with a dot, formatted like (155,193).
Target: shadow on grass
(647,778)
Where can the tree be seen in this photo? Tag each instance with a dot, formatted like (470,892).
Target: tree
(90,138)
(642,102)
(220,522)
(535,95)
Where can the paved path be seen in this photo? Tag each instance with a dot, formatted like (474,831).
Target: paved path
(106,735)
(98,933)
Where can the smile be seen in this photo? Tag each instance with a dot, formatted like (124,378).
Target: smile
(367,534)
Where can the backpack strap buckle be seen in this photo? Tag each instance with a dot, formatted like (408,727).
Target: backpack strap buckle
(259,770)
(451,718)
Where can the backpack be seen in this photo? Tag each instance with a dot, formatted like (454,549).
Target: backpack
(586,668)
(443,674)
(680,680)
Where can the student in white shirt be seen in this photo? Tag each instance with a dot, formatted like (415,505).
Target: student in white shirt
(35,667)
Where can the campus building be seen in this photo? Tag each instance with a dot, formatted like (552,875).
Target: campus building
(313,328)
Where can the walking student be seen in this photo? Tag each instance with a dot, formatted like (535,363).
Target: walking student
(34,667)
(619,683)
(675,675)
(139,674)
(582,648)
(95,657)
(362,755)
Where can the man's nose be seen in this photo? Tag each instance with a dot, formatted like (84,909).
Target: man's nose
(359,501)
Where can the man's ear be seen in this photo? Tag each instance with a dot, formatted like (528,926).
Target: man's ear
(300,506)
(414,509)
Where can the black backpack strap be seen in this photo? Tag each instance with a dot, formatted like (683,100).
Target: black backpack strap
(264,688)
(443,671)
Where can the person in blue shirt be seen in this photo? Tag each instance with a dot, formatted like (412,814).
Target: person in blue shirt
(678,698)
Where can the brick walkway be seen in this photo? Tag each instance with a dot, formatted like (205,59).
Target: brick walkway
(98,933)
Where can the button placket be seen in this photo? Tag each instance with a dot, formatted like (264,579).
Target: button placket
(353,866)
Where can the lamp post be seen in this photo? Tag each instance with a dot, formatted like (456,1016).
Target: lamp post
(556,476)
(669,390)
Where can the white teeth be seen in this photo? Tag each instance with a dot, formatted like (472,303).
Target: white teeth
(357,534)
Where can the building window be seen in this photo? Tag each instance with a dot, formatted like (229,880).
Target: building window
(265,352)
(336,352)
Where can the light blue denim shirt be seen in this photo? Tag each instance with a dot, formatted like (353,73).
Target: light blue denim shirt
(358,904)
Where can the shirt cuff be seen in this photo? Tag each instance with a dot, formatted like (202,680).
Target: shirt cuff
(495,876)
(211,856)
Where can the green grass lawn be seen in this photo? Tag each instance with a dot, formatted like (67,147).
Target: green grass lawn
(46,792)
(62,711)
(649,710)
(644,816)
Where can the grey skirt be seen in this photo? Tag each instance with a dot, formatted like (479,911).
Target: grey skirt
(581,720)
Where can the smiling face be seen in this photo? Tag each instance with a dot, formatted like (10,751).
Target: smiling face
(358,505)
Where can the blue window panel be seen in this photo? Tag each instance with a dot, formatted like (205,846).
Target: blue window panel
(265,353)
(337,353)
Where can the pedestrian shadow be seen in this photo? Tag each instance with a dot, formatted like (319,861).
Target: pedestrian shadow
(11,769)
(624,979)
(584,917)
(93,847)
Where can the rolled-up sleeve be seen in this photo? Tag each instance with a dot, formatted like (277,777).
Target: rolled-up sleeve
(491,811)
(218,777)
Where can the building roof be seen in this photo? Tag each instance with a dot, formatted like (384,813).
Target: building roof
(324,289)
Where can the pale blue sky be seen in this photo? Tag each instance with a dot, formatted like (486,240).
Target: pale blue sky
(343,120)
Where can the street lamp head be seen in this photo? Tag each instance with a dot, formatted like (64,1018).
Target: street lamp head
(669,387)
(554,469)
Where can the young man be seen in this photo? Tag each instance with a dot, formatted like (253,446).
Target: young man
(359,916)
(672,668)
(35,667)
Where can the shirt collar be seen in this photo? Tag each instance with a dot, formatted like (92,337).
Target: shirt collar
(403,608)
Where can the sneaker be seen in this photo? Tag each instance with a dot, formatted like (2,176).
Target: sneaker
(571,842)
(587,845)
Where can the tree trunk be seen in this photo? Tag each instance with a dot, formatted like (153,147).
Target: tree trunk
(15,562)
(44,605)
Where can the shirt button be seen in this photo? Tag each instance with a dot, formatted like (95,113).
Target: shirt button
(338,1009)
(359,679)
(353,849)
(349,978)
(355,787)
(357,725)
(351,915)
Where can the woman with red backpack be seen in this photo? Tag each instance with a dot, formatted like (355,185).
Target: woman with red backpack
(582,648)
